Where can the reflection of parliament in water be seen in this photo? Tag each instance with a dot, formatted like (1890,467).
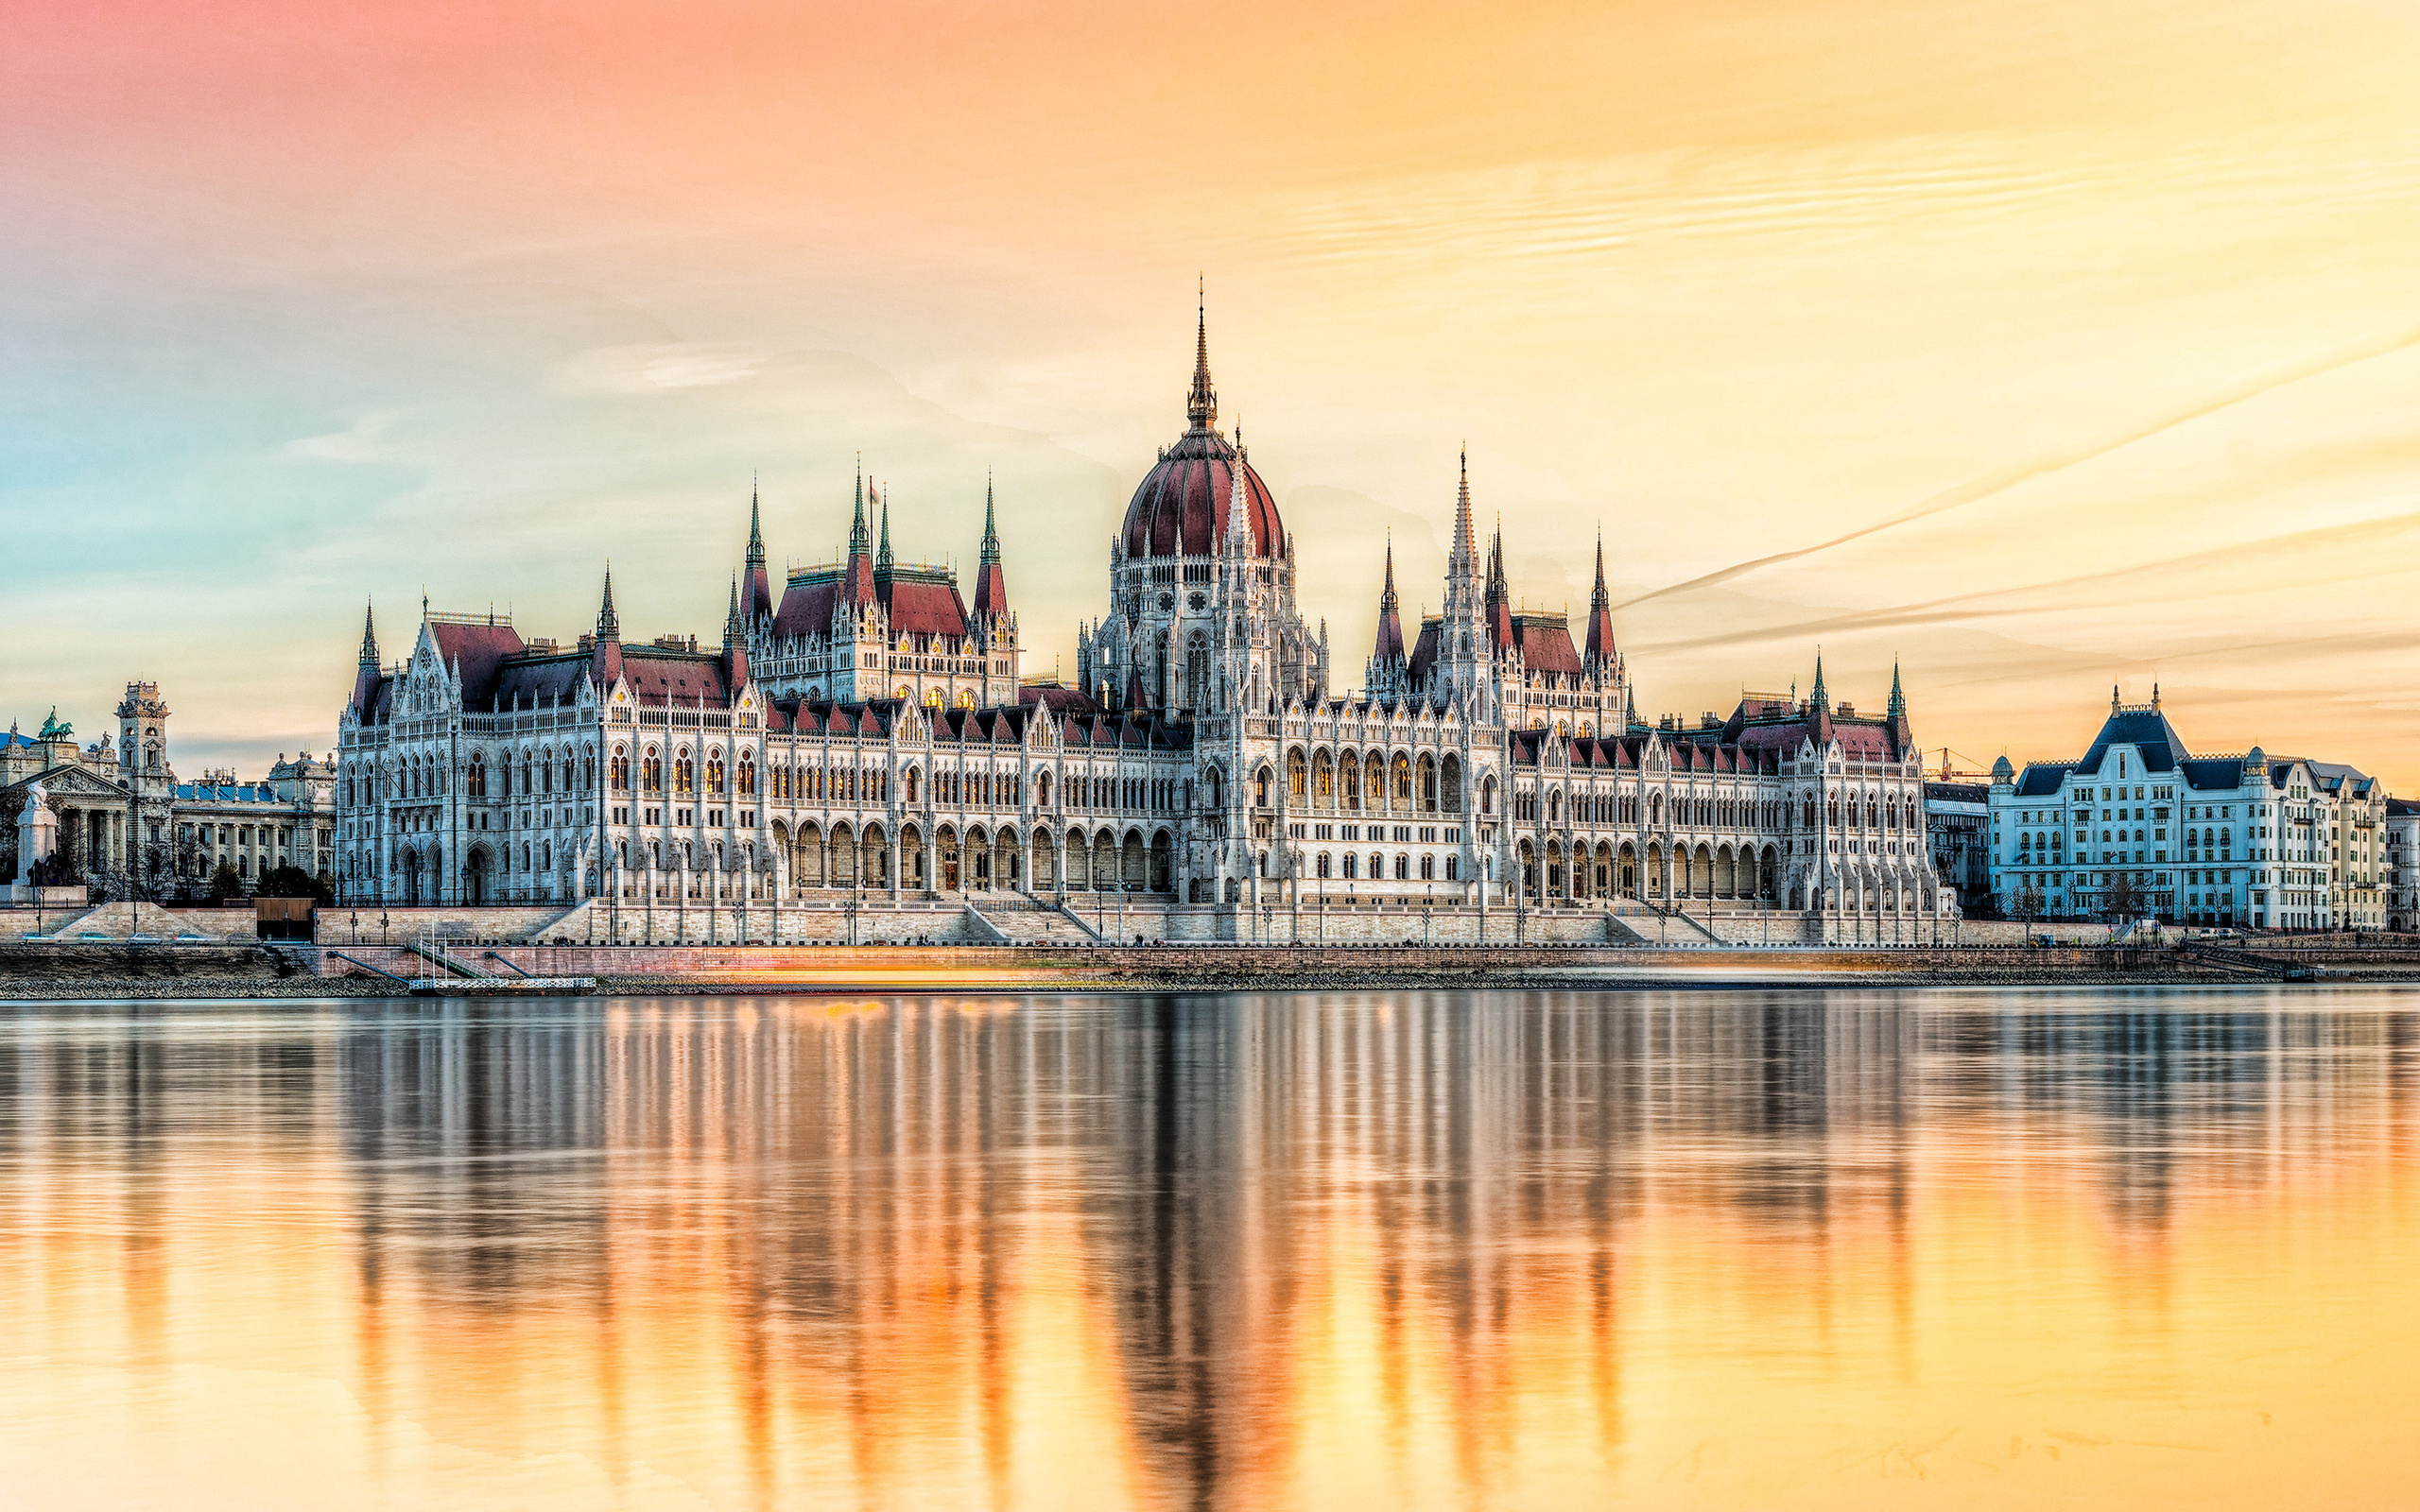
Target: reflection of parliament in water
(867,731)
(862,1210)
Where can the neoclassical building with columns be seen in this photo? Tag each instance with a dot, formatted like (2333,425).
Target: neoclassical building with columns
(865,734)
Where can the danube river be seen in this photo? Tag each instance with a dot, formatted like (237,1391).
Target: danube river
(1778,1250)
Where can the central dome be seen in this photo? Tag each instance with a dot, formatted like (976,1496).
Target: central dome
(1180,508)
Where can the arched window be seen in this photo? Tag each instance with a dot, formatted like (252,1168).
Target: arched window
(1403,782)
(684,773)
(1297,775)
(1453,869)
(1427,869)
(651,771)
(714,774)
(1486,795)
(1323,864)
(1260,788)
(747,776)
(1352,865)
(475,784)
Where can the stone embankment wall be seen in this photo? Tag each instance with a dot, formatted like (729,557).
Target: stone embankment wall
(1014,967)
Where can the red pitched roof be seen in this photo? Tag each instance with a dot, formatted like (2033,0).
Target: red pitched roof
(1546,644)
(674,677)
(478,651)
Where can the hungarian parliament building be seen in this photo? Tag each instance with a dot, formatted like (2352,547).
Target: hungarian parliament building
(866,735)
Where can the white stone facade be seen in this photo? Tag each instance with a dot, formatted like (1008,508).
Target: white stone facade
(869,736)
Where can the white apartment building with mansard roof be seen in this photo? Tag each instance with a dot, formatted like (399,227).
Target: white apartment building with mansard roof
(2257,840)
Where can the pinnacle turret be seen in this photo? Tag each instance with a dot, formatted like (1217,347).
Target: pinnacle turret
(369,637)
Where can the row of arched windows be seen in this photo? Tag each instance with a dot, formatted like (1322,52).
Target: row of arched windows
(1324,866)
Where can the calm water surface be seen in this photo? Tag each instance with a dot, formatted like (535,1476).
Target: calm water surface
(1786,1249)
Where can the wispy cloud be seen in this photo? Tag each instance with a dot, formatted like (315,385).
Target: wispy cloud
(646,368)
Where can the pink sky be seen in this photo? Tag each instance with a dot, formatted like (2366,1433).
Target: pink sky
(305,306)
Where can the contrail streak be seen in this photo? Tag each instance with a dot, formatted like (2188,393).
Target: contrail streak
(2032,598)
(1976,490)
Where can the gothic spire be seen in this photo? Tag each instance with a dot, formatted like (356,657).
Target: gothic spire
(1898,709)
(1600,610)
(1500,593)
(755,529)
(1202,405)
(1821,701)
(991,583)
(858,544)
(882,552)
(1390,647)
(369,636)
(609,624)
(1466,543)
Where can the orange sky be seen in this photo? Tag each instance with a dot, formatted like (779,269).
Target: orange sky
(307,306)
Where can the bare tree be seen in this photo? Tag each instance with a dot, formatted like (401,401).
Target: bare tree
(2123,899)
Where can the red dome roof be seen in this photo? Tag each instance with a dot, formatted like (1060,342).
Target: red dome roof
(1180,508)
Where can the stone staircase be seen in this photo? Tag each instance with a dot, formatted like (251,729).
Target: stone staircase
(123,921)
(1022,921)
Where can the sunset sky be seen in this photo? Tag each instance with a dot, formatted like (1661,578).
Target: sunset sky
(2043,345)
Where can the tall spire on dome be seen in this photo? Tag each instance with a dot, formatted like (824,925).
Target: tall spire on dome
(1202,405)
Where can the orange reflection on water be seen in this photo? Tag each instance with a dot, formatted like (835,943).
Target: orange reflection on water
(1818,1249)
